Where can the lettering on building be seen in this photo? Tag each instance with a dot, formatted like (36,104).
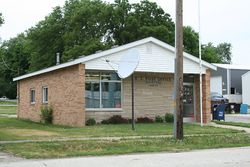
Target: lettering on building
(153,81)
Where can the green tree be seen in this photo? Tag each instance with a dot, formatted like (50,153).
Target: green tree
(1,19)
(209,53)
(86,27)
(82,27)
(1,22)
(45,40)
(191,41)
(217,54)
(132,22)
(224,52)
(14,57)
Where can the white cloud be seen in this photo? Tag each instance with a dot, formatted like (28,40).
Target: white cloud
(221,21)
(21,15)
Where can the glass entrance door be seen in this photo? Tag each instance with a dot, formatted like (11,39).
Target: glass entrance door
(188,100)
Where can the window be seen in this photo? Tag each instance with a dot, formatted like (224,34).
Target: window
(92,94)
(233,90)
(111,95)
(102,90)
(45,95)
(32,96)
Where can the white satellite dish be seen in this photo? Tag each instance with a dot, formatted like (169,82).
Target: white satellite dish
(128,63)
(126,67)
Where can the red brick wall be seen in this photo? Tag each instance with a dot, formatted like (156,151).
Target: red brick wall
(206,100)
(66,89)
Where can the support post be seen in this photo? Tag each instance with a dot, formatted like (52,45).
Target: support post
(133,102)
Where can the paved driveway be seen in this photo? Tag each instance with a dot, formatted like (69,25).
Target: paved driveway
(232,157)
(245,118)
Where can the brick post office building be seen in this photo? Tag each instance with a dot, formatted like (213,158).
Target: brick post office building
(88,87)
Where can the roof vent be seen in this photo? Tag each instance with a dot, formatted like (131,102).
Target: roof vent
(98,51)
(57,58)
(81,56)
(70,60)
(114,46)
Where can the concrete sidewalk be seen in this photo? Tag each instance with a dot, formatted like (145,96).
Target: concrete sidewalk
(247,130)
(244,118)
(7,158)
(8,115)
(84,138)
(101,138)
(8,105)
(226,157)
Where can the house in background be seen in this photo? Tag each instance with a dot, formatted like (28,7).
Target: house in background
(246,88)
(89,87)
(227,81)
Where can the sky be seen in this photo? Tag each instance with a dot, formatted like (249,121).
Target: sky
(221,20)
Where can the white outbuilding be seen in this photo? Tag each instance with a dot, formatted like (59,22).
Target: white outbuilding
(246,88)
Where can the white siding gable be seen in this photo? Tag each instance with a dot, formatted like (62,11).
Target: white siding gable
(156,56)
(153,58)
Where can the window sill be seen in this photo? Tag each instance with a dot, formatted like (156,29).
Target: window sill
(32,103)
(104,110)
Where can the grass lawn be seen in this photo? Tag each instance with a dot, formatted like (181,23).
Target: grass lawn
(8,110)
(85,148)
(14,129)
(8,102)
(247,125)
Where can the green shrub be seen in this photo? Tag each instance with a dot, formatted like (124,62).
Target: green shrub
(47,114)
(169,117)
(115,119)
(90,122)
(105,121)
(159,119)
(130,120)
(144,120)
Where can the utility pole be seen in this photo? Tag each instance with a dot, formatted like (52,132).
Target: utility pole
(178,121)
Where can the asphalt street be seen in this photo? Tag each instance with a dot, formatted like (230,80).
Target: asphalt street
(229,157)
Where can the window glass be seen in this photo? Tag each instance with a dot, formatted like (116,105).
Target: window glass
(102,90)
(111,95)
(110,76)
(188,78)
(45,95)
(92,94)
(92,76)
(32,96)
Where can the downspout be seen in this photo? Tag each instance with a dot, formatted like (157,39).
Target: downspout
(18,98)
(228,81)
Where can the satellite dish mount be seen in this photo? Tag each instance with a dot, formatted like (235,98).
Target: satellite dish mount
(127,66)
